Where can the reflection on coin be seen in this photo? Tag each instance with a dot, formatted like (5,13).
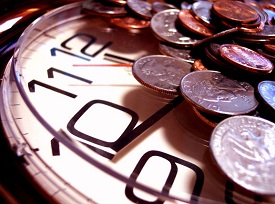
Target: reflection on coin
(198,65)
(130,22)
(94,7)
(180,52)
(158,6)
(266,90)
(141,8)
(246,58)
(235,11)
(243,147)
(160,73)
(213,93)
(163,25)
(190,23)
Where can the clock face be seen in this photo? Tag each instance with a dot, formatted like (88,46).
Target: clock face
(90,132)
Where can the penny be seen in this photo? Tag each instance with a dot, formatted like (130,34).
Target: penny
(268,32)
(141,8)
(94,7)
(179,52)
(130,22)
(163,25)
(243,148)
(202,12)
(158,6)
(160,73)
(266,90)
(206,118)
(198,65)
(190,23)
(213,93)
(246,58)
(118,2)
(235,11)
(269,47)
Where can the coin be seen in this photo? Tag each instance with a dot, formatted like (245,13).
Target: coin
(129,22)
(141,8)
(158,6)
(266,90)
(235,11)
(269,47)
(163,26)
(268,32)
(160,73)
(190,23)
(198,65)
(246,58)
(179,52)
(243,148)
(213,93)
(118,2)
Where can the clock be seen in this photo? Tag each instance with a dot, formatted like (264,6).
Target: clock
(86,131)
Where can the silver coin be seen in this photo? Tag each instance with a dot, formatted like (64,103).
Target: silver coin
(160,73)
(158,6)
(244,149)
(163,25)
(179,52)
(141,8)
(266,90)
(213,93)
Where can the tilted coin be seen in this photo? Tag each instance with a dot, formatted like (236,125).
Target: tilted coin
(267,32)
(235,11)
(266,90)
(270,47)
(180,52)
(129,22)
(163,25)
(141,8)
(190,23)
(118,2)
(160,73)
(158,6)
(246,58)
(212,92)
(243,147)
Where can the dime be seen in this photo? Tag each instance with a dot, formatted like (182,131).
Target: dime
(158,6)
(243,147)
(160,73)
(213,93)
(235,11)
(163,25)
(94,7)
(190,23)
(130,22)
(266,90)
(141,8)
(179,52)
(246,58)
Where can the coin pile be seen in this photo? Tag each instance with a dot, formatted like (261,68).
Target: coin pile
(219,55)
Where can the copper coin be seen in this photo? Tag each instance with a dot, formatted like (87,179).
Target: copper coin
(160,73)
(179,52)
(163,25)
(246,58)
(158,6)
(243,148)
(235,11)
(198,65)
(118,2)
(190,23)
(202,12)
(94,7)
(268,32)
(141,8)
(266,90)
(130,22)
(270,47)
(213,93)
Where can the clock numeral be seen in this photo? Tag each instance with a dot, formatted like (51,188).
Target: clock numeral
(55,147)
(169,180)
(54,50)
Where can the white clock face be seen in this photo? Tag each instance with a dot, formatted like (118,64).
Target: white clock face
(90,132)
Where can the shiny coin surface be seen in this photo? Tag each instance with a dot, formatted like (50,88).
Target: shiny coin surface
(158,6)
(161,73)
(243,147)
(193,25)
(163,25)
(266,90)
(198,65)
(235,11)
(130,22)
(246,58)
(213,93)
(141,8)
(179,52)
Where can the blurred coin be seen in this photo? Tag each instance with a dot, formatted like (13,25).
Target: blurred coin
(118,2)
(130,22)
(185,5)
(160,73)
(198,65)
(270,47)
(235,11)
(213,93)
(246,58)
(98,8)
(140,7)
(193,25)
(269,9)
(268,32)
(158,6)
(201,10)
(179,52)
(163,25)
(243,148)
